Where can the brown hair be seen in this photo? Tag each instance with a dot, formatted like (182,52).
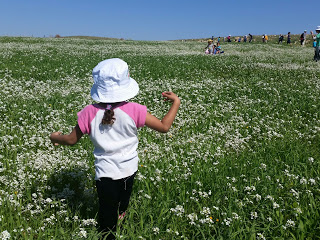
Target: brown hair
(108,116)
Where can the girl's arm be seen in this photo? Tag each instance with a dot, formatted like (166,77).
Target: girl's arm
(312,35)
(166,122)
(57,138)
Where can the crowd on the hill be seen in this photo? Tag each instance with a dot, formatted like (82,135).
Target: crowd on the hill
(214,49)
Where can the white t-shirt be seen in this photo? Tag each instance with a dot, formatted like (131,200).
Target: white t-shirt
(115,146)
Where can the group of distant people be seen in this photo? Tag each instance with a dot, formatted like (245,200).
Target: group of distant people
(303,39)
(245,38)
(265,38)
(212,48)
(281,37)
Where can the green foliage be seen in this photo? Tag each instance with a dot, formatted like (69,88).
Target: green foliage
(241,161)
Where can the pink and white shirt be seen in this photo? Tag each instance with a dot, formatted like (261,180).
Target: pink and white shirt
(115,146)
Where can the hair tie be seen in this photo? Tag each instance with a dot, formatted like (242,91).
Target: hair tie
(109,106)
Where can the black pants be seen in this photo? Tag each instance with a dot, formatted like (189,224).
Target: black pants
(114,196)
(316,54)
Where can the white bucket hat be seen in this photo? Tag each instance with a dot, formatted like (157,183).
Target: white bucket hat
(318,28)
(112,82)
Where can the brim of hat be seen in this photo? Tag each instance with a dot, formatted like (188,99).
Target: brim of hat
(119,95)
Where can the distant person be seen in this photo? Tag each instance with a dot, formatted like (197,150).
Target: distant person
(217,49)
(263,38)
(289,38)
(303,38)
(266,38)
(280,39)
(245,38)
(250,38)
(229,38)
(317,45)
(239,39)
(218,39)
(209,47)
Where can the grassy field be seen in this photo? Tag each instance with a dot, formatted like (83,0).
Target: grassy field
(240,162)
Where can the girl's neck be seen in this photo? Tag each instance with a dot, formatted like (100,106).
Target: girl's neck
(112,104)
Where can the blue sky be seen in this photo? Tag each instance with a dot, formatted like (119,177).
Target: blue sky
(155,20)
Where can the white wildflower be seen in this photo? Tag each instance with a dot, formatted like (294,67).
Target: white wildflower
(193,217)
(82,233)
(312,181)
(254,215)
(147,196)
(260,236)
(290,223)
(5,235)
(88,222)
(235,216)
(294,193)
(257,197)
(205,211)
(263,166)
(275,205)
(227,221)
(155,230)
(269,197)
(178,210)
(298,210)
(303,181)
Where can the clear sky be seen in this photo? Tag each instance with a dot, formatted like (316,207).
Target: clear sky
(156,20)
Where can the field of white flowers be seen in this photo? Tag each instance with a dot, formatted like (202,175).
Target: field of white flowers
(240,162)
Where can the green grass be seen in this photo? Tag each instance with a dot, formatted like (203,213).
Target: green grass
(241,161)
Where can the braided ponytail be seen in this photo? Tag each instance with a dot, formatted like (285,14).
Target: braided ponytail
(108,116)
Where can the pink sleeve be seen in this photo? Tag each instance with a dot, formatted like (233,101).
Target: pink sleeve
(137,112)
(85,117)
(141,116)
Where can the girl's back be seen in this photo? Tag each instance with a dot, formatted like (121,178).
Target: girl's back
(115,146)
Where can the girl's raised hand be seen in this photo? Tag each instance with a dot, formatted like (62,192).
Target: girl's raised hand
(53,137)
(170,96)
(166,122)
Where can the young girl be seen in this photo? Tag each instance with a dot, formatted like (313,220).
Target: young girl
(112,125)
(209,47)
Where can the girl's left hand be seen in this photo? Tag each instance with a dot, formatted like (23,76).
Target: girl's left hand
(53,138)
(170,96)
